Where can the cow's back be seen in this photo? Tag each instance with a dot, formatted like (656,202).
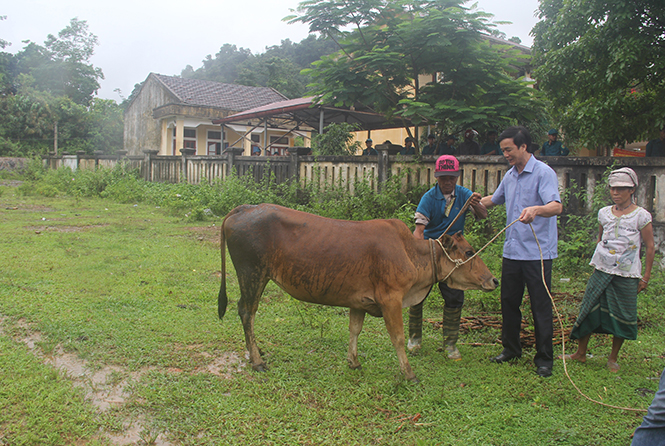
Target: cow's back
(317,259)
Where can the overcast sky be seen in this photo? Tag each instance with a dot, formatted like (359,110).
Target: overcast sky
(137,37)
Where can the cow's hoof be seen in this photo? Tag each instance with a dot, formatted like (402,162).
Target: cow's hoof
(415,380)
(260,367)
(355,364)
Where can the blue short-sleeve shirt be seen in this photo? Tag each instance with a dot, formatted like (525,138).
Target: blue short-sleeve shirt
(537,185)
(433,206)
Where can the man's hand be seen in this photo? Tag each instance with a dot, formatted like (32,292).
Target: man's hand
(549,210)
(479,210)
(419,232)
(529,214)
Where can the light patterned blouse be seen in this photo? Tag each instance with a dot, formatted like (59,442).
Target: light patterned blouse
(618,251)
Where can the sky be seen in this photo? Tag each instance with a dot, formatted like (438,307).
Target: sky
(137,37)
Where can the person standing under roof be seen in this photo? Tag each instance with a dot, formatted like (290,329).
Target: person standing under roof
(491,147)
(656,147)
(552,147)
(430,148)
(469,146)
(408,148)
(369,150)
(447,148)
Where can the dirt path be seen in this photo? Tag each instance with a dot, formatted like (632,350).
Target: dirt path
(109,386)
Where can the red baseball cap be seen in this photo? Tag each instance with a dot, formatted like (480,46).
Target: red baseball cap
(447,165)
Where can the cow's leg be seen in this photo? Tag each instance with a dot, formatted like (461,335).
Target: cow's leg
(250,293)
(356,319)
(392,316)
(415,327)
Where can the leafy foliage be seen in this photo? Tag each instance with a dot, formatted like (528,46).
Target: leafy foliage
(47,93)
(385,46)
(602,64)
(279,67)
(62,66)
(336,140)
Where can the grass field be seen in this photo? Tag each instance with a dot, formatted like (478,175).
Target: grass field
(109,335)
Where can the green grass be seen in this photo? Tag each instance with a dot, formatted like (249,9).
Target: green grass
(135,288)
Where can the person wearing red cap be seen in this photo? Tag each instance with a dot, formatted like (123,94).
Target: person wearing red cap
(436,211)
(469,146)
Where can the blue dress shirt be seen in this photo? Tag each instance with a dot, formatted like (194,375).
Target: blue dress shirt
(537,185)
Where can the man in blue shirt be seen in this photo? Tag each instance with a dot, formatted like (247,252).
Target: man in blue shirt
(552,147)
(531,194)
(656,147)
(436,211)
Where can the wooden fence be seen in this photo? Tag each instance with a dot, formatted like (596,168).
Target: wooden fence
(577,175)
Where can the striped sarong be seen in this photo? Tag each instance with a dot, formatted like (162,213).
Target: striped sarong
(609,306)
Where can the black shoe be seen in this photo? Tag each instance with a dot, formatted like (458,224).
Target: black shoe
(544,372)
(503,357)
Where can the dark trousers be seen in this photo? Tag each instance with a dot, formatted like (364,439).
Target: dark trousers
(515,274)
(452,298)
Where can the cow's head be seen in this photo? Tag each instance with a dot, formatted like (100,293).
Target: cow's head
(470,274)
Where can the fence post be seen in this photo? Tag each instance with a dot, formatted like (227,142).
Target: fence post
(185,153)
(97,154)
(294,165)
(384,165)
(148,163)
(231,153)
(79,155)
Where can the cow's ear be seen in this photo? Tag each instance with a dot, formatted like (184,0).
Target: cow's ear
(446,241)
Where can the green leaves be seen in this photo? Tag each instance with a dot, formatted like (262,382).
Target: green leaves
(423,60)
(602,63)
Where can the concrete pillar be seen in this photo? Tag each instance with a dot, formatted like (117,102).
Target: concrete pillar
(179,136)
(185,153)
(147,172)
(384,165)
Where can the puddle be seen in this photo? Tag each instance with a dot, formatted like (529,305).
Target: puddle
(108,387)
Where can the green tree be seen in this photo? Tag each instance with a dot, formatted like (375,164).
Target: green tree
(62,66)
(105,126)
(386,45)
(336,140)
(279,67)
(602,64)
(53,86)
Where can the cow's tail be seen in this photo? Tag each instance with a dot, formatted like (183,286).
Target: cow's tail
(222,300)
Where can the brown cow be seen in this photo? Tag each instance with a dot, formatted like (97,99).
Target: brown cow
(374,267)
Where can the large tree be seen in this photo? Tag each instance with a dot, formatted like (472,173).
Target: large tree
(602,64)
(386,45)
(47,94)
(279,66)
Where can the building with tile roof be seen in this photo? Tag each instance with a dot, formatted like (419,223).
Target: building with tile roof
(169,113)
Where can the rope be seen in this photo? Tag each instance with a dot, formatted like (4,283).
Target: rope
(433,256)
(459,263)
(563,337)
(461,212)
